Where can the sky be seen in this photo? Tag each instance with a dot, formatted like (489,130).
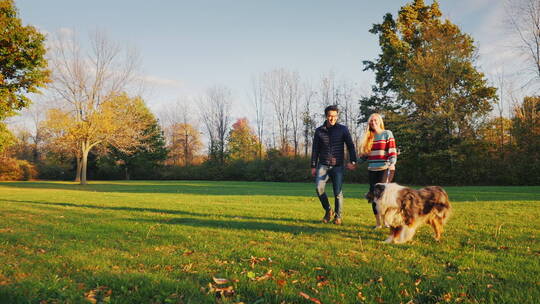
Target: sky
(189,46)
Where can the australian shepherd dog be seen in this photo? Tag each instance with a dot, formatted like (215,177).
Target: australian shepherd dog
(403,210)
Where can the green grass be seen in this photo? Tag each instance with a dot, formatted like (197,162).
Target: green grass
(164,242)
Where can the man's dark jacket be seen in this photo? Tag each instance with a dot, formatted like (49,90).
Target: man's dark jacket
(328,146)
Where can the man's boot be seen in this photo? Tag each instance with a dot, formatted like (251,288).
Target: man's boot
(328,216)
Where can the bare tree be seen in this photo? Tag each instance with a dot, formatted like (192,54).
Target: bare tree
(258,99)
(295,95)
(308,118)
(277,85)
(327,90)
(85,81)
(346,98)
(216,117)
(524,19)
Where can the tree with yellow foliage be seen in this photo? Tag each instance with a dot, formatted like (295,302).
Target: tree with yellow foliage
(118,122)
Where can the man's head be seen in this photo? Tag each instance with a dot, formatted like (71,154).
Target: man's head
(331,113)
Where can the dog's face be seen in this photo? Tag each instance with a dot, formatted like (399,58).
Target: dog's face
(387,208)
(378,192)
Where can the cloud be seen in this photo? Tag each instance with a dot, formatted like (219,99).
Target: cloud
(163,82)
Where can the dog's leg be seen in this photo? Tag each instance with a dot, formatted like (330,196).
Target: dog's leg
(394,233)
(437,224)
(406,234)
(379,220)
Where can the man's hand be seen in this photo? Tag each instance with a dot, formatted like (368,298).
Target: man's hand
(351,166)
(313,171)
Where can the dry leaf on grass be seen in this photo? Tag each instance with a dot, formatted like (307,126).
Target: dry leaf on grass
(98,295)
(220,292)
(220,281)
(308,297)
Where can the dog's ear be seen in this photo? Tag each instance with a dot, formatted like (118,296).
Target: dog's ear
(378,190)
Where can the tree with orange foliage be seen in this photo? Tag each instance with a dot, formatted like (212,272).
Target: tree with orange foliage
(186,144)
(242,141)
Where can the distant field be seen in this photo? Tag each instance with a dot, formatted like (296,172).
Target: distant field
(232,242)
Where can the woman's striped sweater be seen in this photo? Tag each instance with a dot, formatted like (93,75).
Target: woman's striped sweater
(383,151)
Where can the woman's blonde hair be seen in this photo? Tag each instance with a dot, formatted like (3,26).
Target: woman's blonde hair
(367,138)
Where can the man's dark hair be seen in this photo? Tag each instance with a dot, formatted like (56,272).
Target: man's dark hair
(330,108)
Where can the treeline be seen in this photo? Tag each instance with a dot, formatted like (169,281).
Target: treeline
(427,86)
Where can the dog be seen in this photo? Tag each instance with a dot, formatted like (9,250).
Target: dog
(404,210)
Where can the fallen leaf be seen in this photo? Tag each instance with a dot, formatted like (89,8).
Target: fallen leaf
(417,282)
(307,297)
(188,267)
(100,294)
(447,297)
(220,281)
(322,283)
(361,296)
(404,293)
(266,276)
(188,252)
(221,291)
(281,283)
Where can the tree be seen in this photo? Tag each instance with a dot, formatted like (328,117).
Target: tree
(242,142)
(281,87)
(185,144)
(259,99)
(148,153)
(86,83)
(524,19)
(308,119)
(526,128)
(427,79)
(215,113)
(23,67)
(118,122)
(6,138)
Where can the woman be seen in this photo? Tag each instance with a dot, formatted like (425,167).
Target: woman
(378,147)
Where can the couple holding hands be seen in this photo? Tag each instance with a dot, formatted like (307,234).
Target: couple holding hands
(378,148)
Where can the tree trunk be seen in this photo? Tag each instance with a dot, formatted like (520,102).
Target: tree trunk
(126,171)
(79,167)
(84,166)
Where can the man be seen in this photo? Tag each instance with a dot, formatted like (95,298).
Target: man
(327,161)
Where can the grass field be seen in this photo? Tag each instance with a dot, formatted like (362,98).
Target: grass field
(231,242)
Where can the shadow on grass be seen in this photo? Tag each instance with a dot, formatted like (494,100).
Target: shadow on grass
(243,225)
(221,188)
(164,211)
(237,222)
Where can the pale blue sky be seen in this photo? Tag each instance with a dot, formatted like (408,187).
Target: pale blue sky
(187,46)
